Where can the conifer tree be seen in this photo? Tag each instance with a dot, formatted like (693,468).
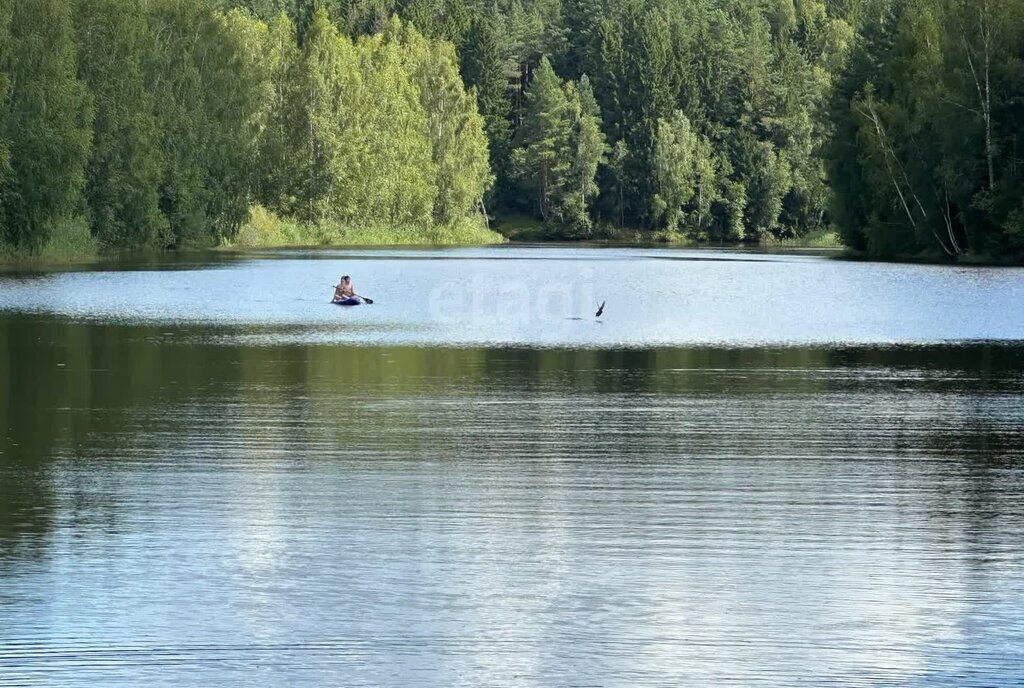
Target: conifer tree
(483,69)
(541,164)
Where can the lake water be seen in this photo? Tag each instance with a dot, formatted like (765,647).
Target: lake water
(752,470)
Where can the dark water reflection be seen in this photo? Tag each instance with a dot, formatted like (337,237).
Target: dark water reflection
(175,511)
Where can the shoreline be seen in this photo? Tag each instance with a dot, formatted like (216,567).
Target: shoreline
(12,261)
(964,261)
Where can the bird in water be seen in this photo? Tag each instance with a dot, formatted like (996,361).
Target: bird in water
(600,309)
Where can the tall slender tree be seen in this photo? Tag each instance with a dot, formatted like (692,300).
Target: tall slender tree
(46,122)
(483,69)
(586,151)
(540,161)
(280,157)
(454,127)
(125,164)
(5,38)
(639,86)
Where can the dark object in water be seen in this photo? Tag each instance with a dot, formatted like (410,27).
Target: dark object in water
(350,301)
(600,310)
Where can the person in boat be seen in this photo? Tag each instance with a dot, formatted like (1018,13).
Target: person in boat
(344,289)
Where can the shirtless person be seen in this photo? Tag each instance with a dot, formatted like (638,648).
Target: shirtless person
(344,289)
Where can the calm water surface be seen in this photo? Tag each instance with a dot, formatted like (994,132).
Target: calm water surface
(754,470)
(533,296)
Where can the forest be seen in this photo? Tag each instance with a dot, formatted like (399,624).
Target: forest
(161,124)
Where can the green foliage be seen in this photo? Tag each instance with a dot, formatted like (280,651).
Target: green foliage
(560,148)
(583,37)
(206,86)
(278,159)
(586,149)
(637,87)
(157,123)
(396,178)
(922,157)
(618,167)
(263,228)
(161,122)
(69,239)
(674,167)
(690,182)
(125,163)
(5,39)
(483,68)
(823,238)
(454,127)
(539,160)
(750,78)
(46,122)
(370,132)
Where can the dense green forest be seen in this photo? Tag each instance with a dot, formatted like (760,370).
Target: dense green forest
(161,123)
(171,123)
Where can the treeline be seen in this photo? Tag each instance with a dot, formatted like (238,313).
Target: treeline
(925,153)
(158,123)
(894,122)
(692,116)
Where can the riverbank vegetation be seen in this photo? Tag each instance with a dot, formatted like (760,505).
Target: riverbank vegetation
(170,123)
(162,123)
(265,229)
(926,120)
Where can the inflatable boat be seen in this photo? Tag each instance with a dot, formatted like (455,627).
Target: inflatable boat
(350,301)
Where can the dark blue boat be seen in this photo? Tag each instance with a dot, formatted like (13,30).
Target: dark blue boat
(350,301)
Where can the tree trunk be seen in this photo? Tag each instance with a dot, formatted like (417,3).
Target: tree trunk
(987,38)
(983,81)
(889,154)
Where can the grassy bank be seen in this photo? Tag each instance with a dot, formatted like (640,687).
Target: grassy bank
(264,229)
(69,241)
(527,229)
(931,258)
(523,228)
(820,239)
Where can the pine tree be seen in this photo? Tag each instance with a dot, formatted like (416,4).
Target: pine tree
(618,166)
(483,69)
(425,15)
(456,22)
(561,147)
(583,38)
(540,160)
(639,86)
